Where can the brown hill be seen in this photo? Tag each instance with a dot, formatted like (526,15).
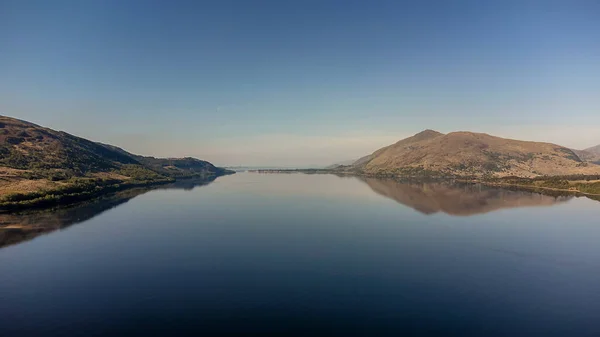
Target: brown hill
(419,137)
(472,154)
(28,146)
(41,165)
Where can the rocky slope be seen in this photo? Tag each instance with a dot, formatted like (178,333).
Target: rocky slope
(472,154)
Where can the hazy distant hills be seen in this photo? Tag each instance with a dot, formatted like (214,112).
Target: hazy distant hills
(591,154)
(35,159)
(472,154)
(595,149)
(341,163)
(173,167)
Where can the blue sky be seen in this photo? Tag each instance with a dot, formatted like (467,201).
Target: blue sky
(300,82)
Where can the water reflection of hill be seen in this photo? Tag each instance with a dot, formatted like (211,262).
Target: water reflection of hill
(186,184)
(19,227)
(460,200)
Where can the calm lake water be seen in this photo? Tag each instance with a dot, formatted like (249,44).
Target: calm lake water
(305,255)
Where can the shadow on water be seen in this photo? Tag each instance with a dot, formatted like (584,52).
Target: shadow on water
(24,226)
(461,199)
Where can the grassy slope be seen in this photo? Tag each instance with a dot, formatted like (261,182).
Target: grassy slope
(43,167)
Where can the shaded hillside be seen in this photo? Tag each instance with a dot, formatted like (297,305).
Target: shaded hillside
(44,167)
(181,167)
(431,198)
(174,167)
(27,146)
(472,154)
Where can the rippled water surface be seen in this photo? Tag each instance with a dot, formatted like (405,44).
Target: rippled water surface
(305,255)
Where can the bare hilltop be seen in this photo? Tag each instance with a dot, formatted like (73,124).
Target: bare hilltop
(473,154)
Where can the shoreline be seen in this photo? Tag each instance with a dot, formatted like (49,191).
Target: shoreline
(496,184)
(80,194)
(472,180)
(51,200)
(75,194)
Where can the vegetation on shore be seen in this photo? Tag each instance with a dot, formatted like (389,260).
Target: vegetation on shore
(77,189)
(585,184)
(41,167)
(25,224)
(20,226)
(74,190)
(581,184)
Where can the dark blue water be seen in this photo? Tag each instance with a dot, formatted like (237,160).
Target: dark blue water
(306,255)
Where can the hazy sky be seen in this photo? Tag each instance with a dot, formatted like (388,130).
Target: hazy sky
(300,82)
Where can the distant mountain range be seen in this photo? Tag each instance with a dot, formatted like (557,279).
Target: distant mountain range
(342,163)
(472,154)
(591,154)
(595,149)
(41,165)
